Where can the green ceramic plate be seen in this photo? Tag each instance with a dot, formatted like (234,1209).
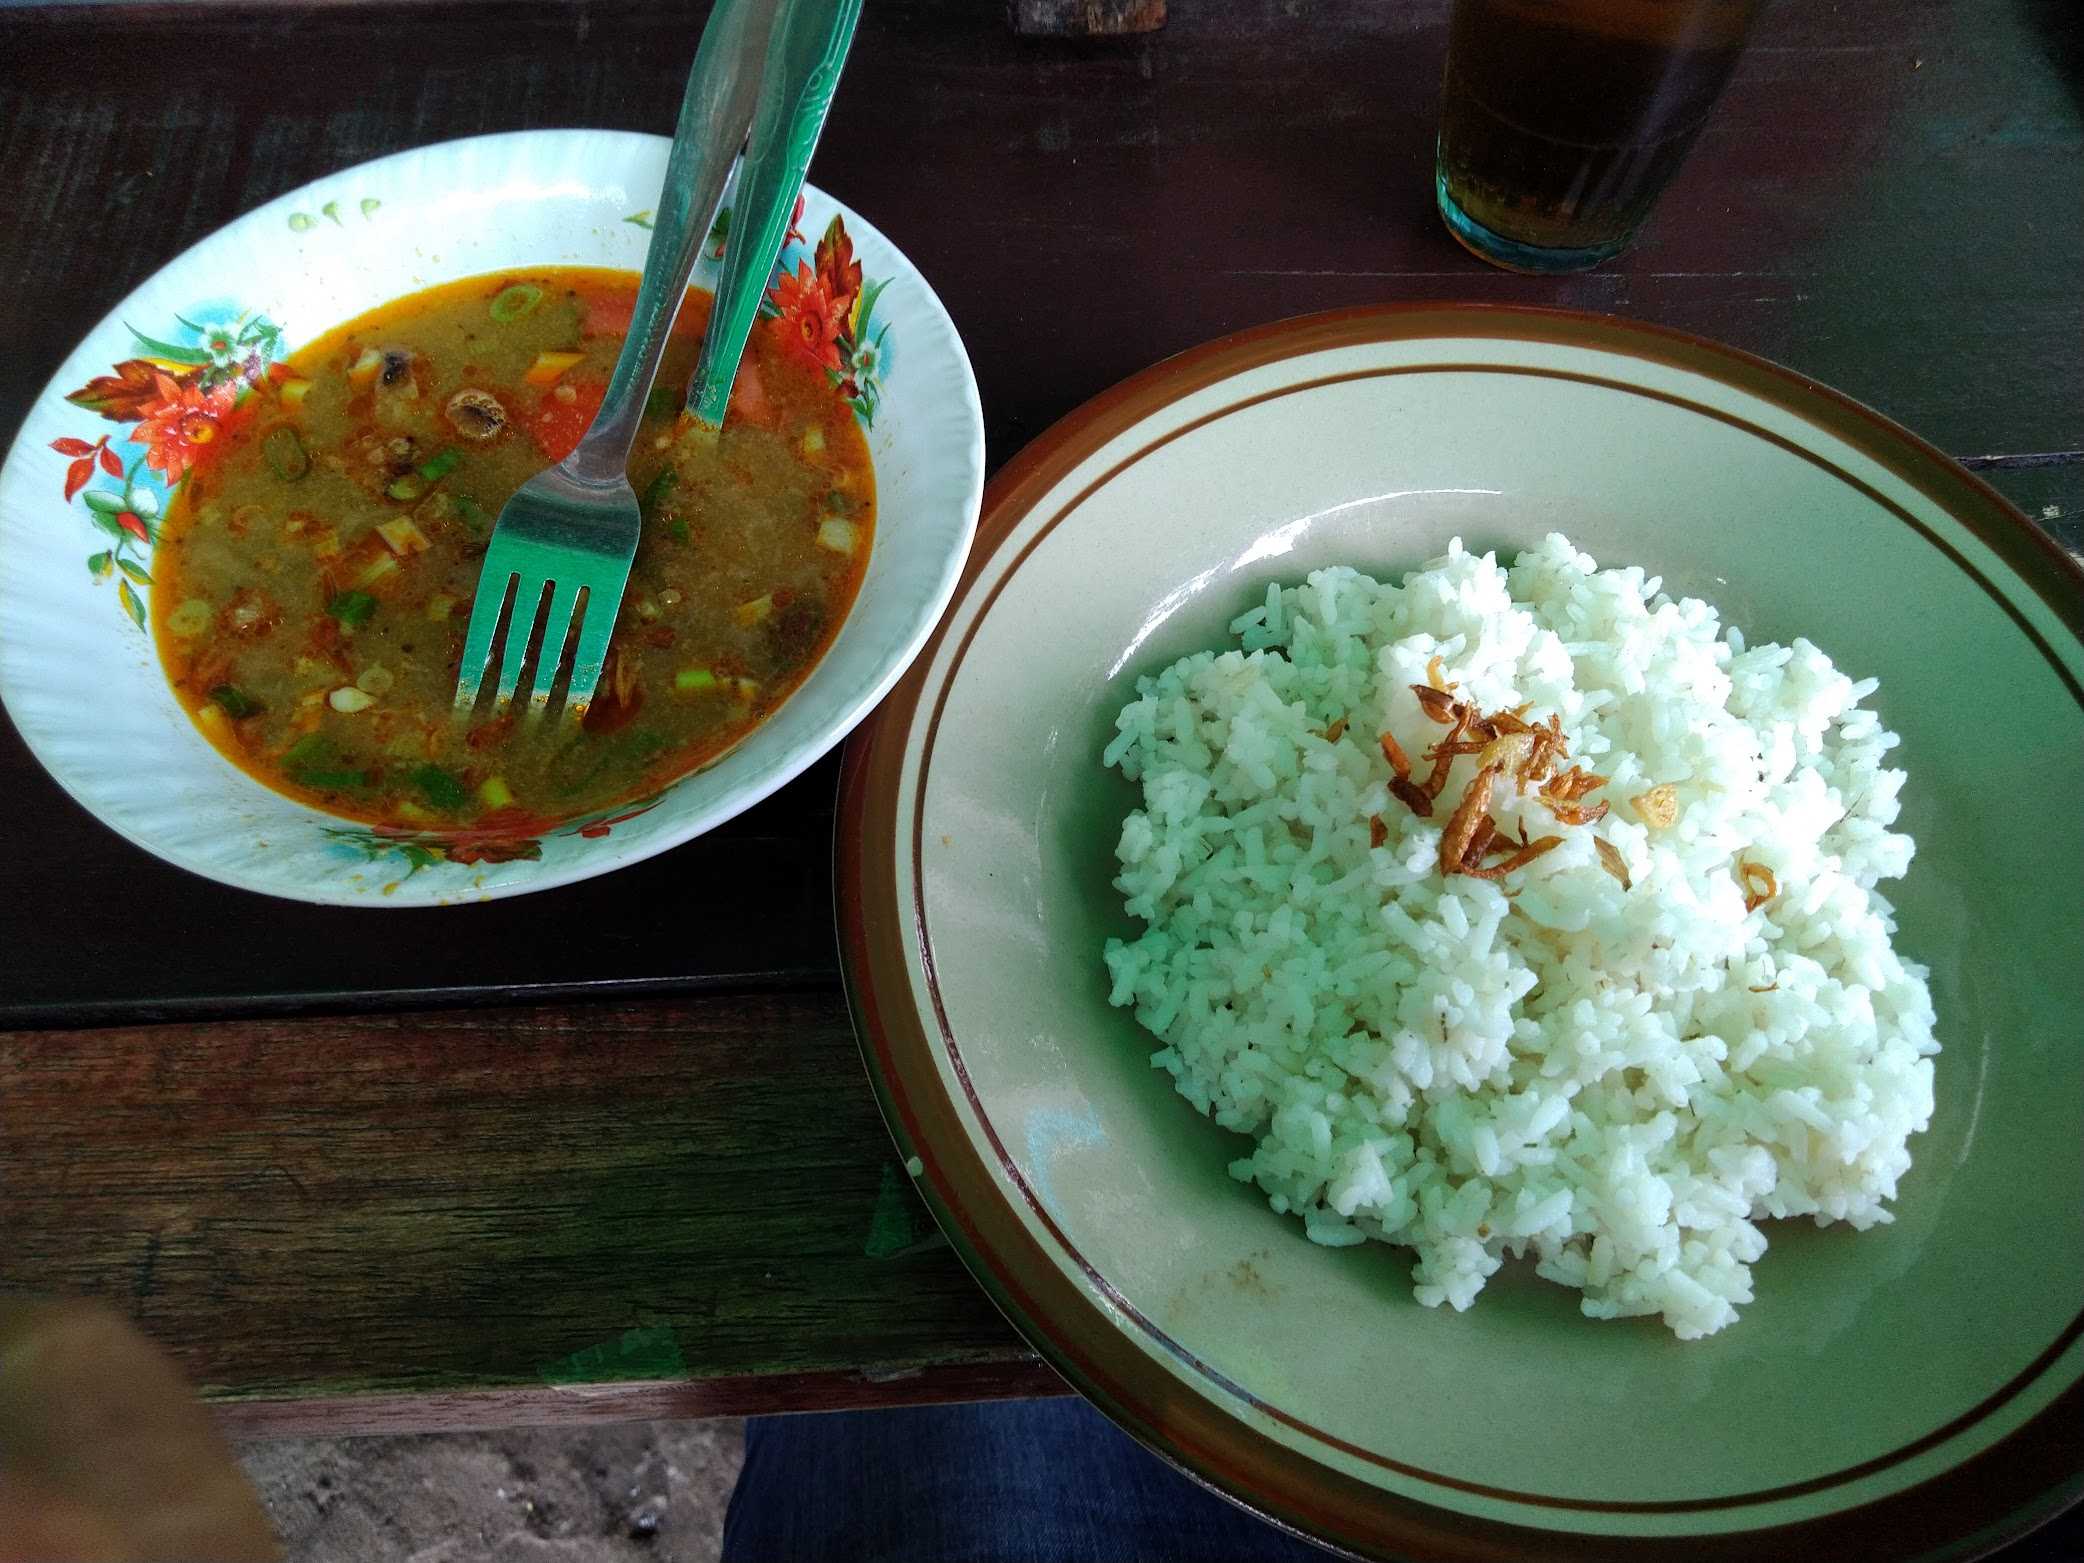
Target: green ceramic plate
(1914,1390)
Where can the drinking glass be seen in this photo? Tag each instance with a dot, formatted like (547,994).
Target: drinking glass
(1562,120)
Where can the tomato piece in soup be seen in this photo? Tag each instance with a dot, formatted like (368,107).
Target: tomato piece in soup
(557,425)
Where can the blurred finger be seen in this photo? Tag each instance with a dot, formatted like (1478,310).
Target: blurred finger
(100,1433)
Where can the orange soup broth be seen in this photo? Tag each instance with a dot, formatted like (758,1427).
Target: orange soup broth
(315,573)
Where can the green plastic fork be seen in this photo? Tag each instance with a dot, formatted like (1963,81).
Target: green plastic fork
(571,532)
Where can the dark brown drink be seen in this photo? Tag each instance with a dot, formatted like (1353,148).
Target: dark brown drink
(1563,119)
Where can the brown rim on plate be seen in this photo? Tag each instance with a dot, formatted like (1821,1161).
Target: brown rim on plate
(2011,1485)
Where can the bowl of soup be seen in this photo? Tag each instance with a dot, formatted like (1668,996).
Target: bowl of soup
(241,530)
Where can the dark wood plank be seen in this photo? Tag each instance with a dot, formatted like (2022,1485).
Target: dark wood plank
(524,1199)
(2050,491)
(749,903)
(463,1411)
(1084,18)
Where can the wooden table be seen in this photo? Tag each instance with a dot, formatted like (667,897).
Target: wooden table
(453,1216)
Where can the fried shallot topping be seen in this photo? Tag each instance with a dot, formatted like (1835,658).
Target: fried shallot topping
(1508,751)
(1472,835)
(1393,752)
(1461,825)
(1479,846)
(1549,747)
(1659,807)
(1444,753)
(1521,857)
(1412,796)
(1507,747)
(1759,884)
(1611,860)
(1572,785)
(1436,703)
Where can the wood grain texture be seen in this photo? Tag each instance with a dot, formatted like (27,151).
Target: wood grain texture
(429,1219)
(1085,18)
(528,1200)
(2049,491)
(565,1405)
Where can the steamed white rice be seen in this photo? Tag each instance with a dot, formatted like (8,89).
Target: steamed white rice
(1618,1083)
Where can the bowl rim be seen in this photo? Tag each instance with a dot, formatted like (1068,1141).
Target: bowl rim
(467,153)
(1978,1503)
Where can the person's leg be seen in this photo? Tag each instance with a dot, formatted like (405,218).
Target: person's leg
(1033,1481)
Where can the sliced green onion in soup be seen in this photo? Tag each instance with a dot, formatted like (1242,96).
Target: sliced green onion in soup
(191,617)
(352,607)
(235,702)
(442,788)
(659,487)
(311,749)
(517,301)
(316,761)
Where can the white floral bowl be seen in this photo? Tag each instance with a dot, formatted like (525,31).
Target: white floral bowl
(91,473)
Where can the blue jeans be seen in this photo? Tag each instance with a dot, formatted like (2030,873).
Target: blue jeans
(1024,1481)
